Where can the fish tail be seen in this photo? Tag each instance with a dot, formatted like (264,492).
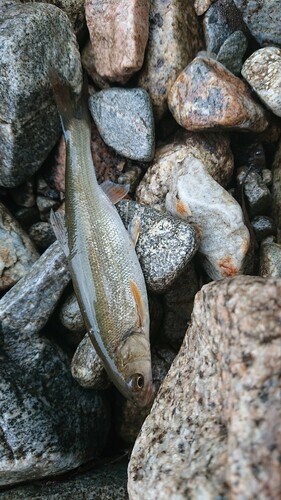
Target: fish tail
(69,104)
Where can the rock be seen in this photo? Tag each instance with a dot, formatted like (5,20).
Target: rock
(165,245)
(260,16)
(257,194)
(224,237)
(173,42)
(119,33)
(201,6)
(40,35)
(270,260)
(54,173)
(262,70)
(248,152)
(45,205)
(27,216)
(232,52)
(206,96)
(266,176)
(87,368)
(24,195)
(214,428)
(103,483)
(263,226)
(42,234)
(88,63)
(125,121)
(70,315)
(212,149)
(276,190)
(17,252)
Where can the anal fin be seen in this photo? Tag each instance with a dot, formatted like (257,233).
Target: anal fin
(58,224)
(134,229)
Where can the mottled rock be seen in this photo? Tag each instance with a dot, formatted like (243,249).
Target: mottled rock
(17,252)
(232,52)
(33,37)
(276,191)
(125,121)
(262,70)
(45,205)
(270,260)
(266,176)
(42,234)
(88,63)
(262,18)
(173,42)
(103,483)
(220,21)
(224,237)
(257,194)
(214,428)
(206,96)
(24,195)
(70,315)
(118,32)
(87,368)
(212,149)
(201,6)
(263,226)
(165,245)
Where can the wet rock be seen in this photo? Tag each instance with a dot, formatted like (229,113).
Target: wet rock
(260,16)
(263,226)
(216,419)
(24,195)
(165,245)
(103,483)
(33,37)
(257,194)
(173,42)
(125,121)
(262,70)
(119,33)
(276,191)
(224,236)
(212,149)
(42,234)
(87,368)
(206,96)
(270,260)
(220,21)
(70,315)
(17,252)
(128,417)
(232,51)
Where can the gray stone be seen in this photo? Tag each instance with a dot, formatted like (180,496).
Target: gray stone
(70,315)
(87,368)
(270,260)
(276,190)
(17,252)
(263,20)
(262,70)
(232,52)
(42,234)
(266,176)
(103,483)
(214,428)
(125,121)
(219,22)
(45,205)
(263,226)
(33,37)
(256,192)
(165,245)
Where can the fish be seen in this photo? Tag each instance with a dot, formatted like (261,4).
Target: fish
(106,273)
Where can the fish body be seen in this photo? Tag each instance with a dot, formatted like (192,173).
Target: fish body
(107,277)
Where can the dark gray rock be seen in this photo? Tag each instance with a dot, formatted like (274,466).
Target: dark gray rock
(263,226)
(24,195)
(220,21)
(42,234)
(257,194)
(232,52)
(165,245)
(263,20)
(48,423)
(87,368)
(17,252)
(27,216)
(125,121)
(270,260)
(103,483)
(33,37)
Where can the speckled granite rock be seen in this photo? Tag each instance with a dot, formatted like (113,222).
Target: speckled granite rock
(70,315)
(125,121)
(104,483)
(276,191)
(88,63)
(42,234)
(201,6)
(165,245)
(206,96)
(262,70)
(173,42)
(270,260)
(232,51)
(263,227)
(214,428)
(262,18)
(17,252)
(257,194)
(119,33)
(30,123)
(87,368)
(212,149)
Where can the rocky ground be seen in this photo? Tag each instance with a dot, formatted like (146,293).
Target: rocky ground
(185,100)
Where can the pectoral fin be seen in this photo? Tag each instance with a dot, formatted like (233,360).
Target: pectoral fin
(139,303)
(134,229)
(59,227)
(115,192)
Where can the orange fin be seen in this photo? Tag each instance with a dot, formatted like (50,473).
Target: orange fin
(134,229)
(139,303)
(115,192)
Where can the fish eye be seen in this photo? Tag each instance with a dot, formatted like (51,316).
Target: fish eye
(137,382)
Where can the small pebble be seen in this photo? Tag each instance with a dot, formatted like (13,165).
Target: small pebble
(45,205)
(42,234)
(270,260)
(220,21)
(24,195)
(257,194)
(232,51)
(263,226)
(70,315)
(262,18)
(87,367)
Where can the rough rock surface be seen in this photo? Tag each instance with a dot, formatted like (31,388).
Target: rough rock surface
(33,37)
(276,190)
(17,252)
(87,368)
(70,315)
(42,234)
(270,260)
(263,227)
(173,42)
(262,70)
(201,6)
(214,428)
(119,33)
(256,192)
(125,121)
(262,18)
(232,52)
(206,96)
